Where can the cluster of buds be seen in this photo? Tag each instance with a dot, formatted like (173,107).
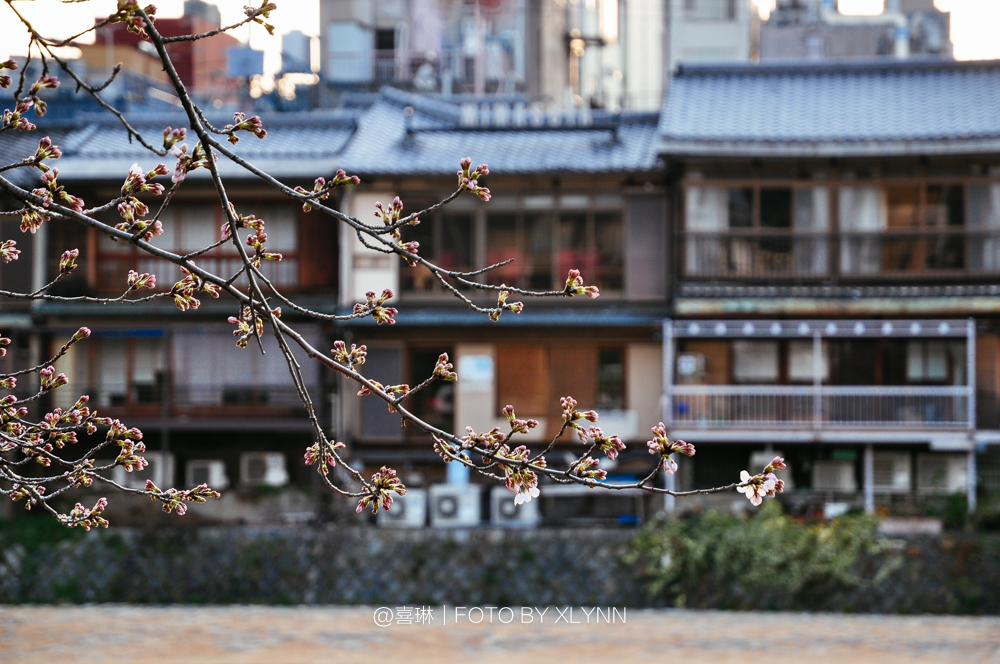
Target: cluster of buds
(32,217)
(469,179)
(323,453)
(15,119)
(58,191)
(587,468)
(391,214)
(264,10)
(379,493)
(4,341)
(574,286)
(242,221)
(50,380)
(764,484)
(144,280)
(29,494)
(44,82)
(173,499)
(411,247)
(516,307)
(571,416)
(137,180)
(489,440)
(610,445)
(4,79)
(8,382)
(257,242)
(520,479)
(81,475)
(172,137)
(516,425)
(662,446)
(67,262)
(187,162)
(374,307)
(353,357)
(128,13)
(443,369)
(129,458)
(9,252)
(86,518)
(248,324)
(254,125)
(185,289)
(321,188)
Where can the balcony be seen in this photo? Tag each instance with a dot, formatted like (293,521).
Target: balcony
(774,406)
(768,254)
(149,401)
(820,378)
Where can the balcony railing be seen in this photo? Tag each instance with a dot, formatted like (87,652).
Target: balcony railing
(814,407)
(112,270)
(199,401)
(787,254)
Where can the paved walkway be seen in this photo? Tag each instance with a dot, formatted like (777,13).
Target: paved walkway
(276,635)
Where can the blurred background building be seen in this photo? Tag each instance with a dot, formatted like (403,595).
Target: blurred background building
(793,235)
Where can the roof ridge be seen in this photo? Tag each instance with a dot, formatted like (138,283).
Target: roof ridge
(829,65)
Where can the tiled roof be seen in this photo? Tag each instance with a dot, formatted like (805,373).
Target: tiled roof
(836,108)
(439,138)
(96,146)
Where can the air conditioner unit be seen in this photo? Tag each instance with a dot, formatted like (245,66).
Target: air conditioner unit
(942,473)
(263,469)
(503,511)
(891,472)
(690,365)
(207,471)
(406,511)
(834,475)
(454,505)
(160,470)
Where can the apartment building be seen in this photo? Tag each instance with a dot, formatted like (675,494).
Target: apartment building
(794,259)
(834,272)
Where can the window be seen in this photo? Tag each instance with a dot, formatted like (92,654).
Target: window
(710,10)
(903,228)
(755,362)
(543,242)
(126,371)
(611,379)
(772,231)
(187,228)
(445,239)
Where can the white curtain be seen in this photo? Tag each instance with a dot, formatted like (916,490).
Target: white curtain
(811,209)
(707,210)
(863,210)
(983,203)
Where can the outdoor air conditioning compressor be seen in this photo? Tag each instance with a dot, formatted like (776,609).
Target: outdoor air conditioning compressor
(504,512)
(406,511)
(454,505)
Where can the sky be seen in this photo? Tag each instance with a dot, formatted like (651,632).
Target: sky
(974,23)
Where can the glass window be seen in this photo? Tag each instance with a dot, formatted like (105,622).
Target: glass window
(454,250)
(611,379)
(609,230)
(740,207)
(502,243)
(755,362)
(538,251)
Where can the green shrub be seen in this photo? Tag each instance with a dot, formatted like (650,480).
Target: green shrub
(769,561)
